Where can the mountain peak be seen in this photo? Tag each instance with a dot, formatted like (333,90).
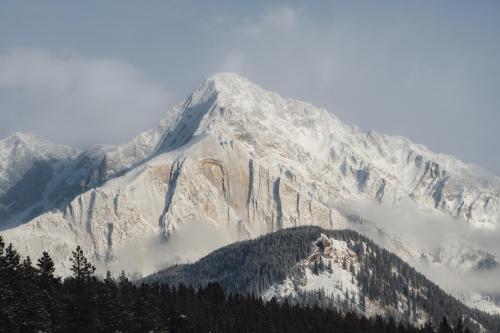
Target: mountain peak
(24,137)
(34,142)
(226,87)
(31,141)
(229,81)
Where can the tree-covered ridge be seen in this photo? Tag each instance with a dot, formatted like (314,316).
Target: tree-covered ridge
(253,266)
(32,299)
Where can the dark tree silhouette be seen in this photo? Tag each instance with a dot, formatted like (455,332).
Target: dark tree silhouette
(46,266)
(445,327)
(82,269)
(83,303)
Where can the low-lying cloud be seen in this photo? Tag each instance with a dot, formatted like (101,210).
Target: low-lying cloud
(76,101)
(189,242)
(450,241)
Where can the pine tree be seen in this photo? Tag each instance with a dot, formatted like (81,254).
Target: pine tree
(46,266)
(5,288)
(10,303)
(33,311)
(12,258)
(82,269)
(82,288)
(344,263)
(459,327)
(444,327)
(110,306)
(428,327)
(50,292)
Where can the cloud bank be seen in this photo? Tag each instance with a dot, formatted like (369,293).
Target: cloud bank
(453,244)
(76,101)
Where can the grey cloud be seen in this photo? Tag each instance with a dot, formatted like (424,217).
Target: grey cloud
(434,233)
(76,101)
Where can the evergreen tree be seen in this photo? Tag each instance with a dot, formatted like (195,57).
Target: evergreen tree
(35,315)
(83,303)
(10,302)
(82,269)
(344,263)
(46,266)
(12,259)
(444,327)
(82,290)
(110,307)
(459,327)
(428,327)
(50,294)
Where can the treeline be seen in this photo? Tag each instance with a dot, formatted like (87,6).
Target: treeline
(32,299)
(252,266)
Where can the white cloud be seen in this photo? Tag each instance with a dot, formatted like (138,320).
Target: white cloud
(145,255)
(449,240)
(73,100)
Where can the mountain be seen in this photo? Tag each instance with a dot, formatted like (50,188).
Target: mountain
(26,162)
(235,161)
(37,176)
(339,268)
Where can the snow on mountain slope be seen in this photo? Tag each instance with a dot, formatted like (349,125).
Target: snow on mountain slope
(37,176)
(26,158)
(245,161)
(332,270)
(19,152)
(312,265)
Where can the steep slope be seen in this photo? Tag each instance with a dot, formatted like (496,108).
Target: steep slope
(27,162)
(37,176)
(240,161)
(328,267)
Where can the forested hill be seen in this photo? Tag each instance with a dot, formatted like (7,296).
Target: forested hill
(32,299)
(298,254)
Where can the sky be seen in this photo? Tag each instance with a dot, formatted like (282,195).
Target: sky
(88,72)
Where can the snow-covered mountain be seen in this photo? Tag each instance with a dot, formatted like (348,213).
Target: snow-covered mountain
(234,161)
(26,159)
(340,268)
(37,176)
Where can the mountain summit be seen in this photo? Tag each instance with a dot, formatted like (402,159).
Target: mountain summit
(230,162)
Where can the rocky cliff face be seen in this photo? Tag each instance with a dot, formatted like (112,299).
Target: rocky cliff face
(244,161)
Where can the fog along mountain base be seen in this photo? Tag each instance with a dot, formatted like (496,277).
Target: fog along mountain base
(34,300)
(332,268)
(235,161)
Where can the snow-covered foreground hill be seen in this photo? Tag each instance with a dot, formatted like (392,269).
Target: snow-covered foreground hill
(235,161)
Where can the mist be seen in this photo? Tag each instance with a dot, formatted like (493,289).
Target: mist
(76,101)
(442,237)
(146,255)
